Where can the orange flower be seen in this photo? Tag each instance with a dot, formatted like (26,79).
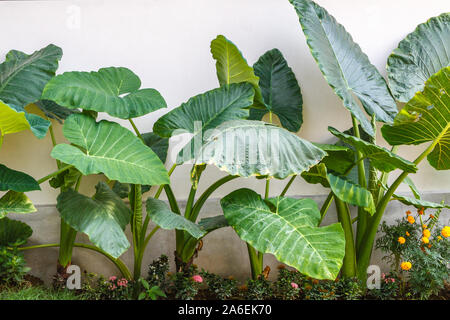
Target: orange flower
(429,246)
(424,226)
(420,211)
(411,219)
(431,216)
(445,231)
(401,240)
(406,265)
(425,240)
(407,233)
(439,238)
(408,212)
(426,233)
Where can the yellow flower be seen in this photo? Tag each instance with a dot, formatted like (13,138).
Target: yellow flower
(445,231)
(406,265)
(424,226)
(425,240)
(426,233)
(439,238)
(411,219)
(407,233)
(401,240)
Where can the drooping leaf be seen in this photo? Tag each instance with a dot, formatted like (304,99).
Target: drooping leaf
(66,179)
(103,217)
(121,189)
(14,233)
(213,223)
(345,67)
(111,149)
(339,158)
(412,187)
(421,54)
(380,157)
(317,174)
(254,148)
(231,66)
(54,111)
(426,117)
(290,232)
(161,215)
(280,90)
(17,181)
(418,203)
(351,193)
(111,90)
(12,121)
(15,202)
(158,144)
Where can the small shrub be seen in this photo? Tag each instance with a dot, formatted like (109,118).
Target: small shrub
(389,288)
(288,284)
(259,289)
(219,287)
(12,266)
(349,289)
(157,272)
(98,288)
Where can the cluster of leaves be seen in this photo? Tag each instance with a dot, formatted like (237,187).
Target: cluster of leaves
(219,287)
(390,286)
(99,288)
(12,266)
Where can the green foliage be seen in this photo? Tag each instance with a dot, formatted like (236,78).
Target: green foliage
(14,233)
(157,272)
(12,266)
(98,288)
(389,288)
(285,287)
(150,293)
(258,289)
(218,287)
(38,293)
(16,181)
(15,202)
(183,286)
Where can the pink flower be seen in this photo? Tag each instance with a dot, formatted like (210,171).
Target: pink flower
(112,278)
(197,278)
(112,287)
(383,276)
(294,285)
(392,279)
(122,282)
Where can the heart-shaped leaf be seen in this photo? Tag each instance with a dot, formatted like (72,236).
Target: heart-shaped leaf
(289,231)
(103,217)
(17,181)
(107,147)
(111,90)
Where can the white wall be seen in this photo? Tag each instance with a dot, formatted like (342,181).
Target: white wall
(167,44)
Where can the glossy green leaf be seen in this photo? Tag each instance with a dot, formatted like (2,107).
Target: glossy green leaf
(254,148)
(345,67)
(380,157)
(107,147)
(111,90)
(421,54)
(103,217)
(418,203)
(158,144)
(213,223)
(351,193)
(289,231)
(14,233)
(162,216)
(280,90)
(425,118)
(231,66)
(17,181)
(15,202)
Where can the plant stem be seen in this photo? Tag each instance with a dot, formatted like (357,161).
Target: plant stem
(54,174)
(117,262)
(325,207)
(161,187)
(288,185)
(136,129)
(255,263)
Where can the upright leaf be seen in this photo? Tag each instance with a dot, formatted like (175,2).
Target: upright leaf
(111,90)
(15,202)
(107,147)
(425,118)
(17,181)
(280,90)
(103,217)
(254,148)
(421,54)
(289,231)
(345,67)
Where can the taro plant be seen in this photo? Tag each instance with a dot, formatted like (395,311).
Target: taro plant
(356,169)
(228,134)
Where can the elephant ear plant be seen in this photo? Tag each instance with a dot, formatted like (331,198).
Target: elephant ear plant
(419,75)
(231,137)
(22,79)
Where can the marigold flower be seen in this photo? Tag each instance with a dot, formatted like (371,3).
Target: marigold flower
(426,233)
(445,231)
(197,278)
(429,246)
(294,285)
(411,219)
(431,216)
(425,240)
(406,265)
(401,240)
(424,226)
(407,233)
(408,212)
(439,238)
(420,211)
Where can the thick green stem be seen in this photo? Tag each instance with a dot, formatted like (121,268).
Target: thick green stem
(255,262)
(349,265)
(136,129)
(325,207)
(54,174)
(288,185)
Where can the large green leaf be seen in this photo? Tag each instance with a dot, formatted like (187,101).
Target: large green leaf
(53,110)
(421,54)
(254,148)
(418,203)
(289,231)
(345,67)
(317,174)
(103,217)
(107,147)
(13,233)
(111,90)
(22,79)
(351,193)
(280,90)
(17,181)
(380,157)
(15,202)
(162,216)
(339,158)
(231,66)
(426,117)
